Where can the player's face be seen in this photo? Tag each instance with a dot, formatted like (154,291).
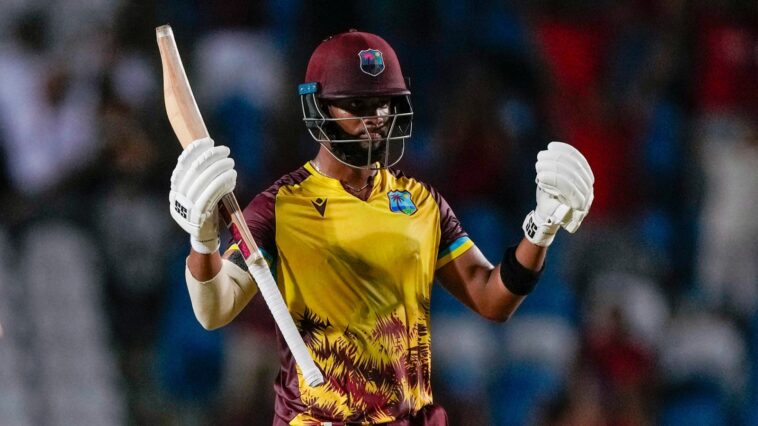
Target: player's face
(364,132)
(363,118)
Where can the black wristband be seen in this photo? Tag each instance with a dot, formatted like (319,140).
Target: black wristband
(518,279)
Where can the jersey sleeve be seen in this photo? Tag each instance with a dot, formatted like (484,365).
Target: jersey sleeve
(454,241)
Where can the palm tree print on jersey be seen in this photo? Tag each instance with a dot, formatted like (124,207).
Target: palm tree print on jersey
(379,373)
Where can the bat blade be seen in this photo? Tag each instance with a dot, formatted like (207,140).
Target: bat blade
(181,107)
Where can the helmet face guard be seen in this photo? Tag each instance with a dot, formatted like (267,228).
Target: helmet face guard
(363,153)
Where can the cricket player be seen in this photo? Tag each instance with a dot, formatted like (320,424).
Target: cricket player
(355,244)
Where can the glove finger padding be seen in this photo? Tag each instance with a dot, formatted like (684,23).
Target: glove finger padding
(205,178)
(186,158)
(200,163)
(562,188)
(564,148)
(546,168)
(561,163)
(208,199)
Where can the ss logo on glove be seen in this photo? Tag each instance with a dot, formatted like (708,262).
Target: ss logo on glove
(531,228)
(180,209)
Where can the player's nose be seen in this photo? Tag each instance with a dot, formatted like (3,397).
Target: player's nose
(377,117)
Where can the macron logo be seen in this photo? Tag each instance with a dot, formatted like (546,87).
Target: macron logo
(320,205)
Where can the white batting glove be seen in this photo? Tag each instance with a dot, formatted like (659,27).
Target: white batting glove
(564,193)
(203,175)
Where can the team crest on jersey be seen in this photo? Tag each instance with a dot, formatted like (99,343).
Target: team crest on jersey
(372,61)
(400,202)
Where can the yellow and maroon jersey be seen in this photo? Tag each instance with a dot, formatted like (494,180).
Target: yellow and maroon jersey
(357,277)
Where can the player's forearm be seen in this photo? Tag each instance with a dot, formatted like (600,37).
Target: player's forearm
(221,298)
(204,266)
(497,303)
(475,282)
(507,290)
(530,256)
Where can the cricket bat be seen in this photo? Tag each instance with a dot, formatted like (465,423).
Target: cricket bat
(188,125)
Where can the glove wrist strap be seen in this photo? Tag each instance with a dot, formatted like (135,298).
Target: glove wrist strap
(538,231)
(205,247)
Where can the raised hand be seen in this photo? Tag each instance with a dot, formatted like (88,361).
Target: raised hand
(564,193)
(203,174)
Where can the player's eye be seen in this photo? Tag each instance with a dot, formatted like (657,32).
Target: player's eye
(369,106)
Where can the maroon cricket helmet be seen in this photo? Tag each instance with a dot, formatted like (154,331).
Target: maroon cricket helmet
(353,64)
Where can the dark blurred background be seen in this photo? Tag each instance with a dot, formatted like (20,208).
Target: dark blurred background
(648,315)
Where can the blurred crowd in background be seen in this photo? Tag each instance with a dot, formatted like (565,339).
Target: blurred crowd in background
(648,315)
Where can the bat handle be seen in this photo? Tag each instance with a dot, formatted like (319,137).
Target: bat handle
(270,292)
(251,252)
